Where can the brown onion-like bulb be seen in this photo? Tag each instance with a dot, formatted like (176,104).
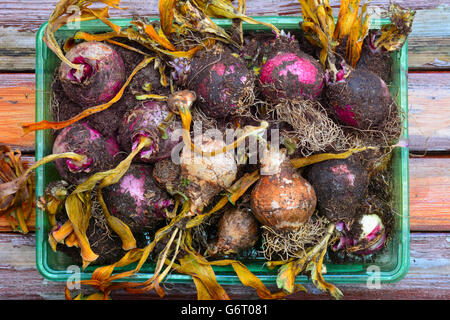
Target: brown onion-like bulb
(238,230)
(282,199)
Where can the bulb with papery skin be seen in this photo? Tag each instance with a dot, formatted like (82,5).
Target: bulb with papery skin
(101,76)
(366,236)
(237,230)
(100,152)
(282,199)
(205,176)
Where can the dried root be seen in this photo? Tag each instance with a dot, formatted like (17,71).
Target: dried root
(199,118)
(384,135)
(247,99)
(313,130)
(284,245)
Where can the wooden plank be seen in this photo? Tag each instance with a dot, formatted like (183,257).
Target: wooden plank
(429,193)
(33,13)
(17,99)
(429,185)
(429,42)
(428,277)
(429,110)
(17,50)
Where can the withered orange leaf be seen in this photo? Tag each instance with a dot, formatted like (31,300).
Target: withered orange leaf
(18,205)
(166,14)
(287,275)
(249,279)
(17,185)
(72,241)
(102,17)
(315,269)
(394,34)
(319,27)
(202,272)
(102,277)
(151,32)
(224,9)
(123,45)
(312,262)
(191,18)
(78,207)
(82,35)
(242,185)
(62,232)
(352,29)
(348,13)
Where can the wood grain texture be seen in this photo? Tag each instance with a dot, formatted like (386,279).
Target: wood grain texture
(17,99)
(429,193)
(17,49)
(34,13)
(428,277)
(429,42)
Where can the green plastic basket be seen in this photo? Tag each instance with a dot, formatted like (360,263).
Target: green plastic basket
(389,266)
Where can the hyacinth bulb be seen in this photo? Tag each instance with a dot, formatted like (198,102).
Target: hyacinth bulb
(98,80)
(150,119)
(282,199)
(290,73)
(80,138)
(205,176)
(364,237)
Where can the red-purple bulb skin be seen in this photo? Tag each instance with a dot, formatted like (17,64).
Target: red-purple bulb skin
(292,76)
(101,153)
